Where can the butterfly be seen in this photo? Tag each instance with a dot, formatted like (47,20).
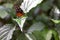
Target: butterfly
(7,30)
(18,10)
(24,8)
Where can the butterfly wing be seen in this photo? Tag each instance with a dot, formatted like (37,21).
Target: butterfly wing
(27,5)
(20,22)
(6,32)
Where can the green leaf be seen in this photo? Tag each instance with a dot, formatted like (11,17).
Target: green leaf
(55,21)
(46,5)
(44,34)
(38,35)
(57,2)
(55,34)
(48,35)
(36,26)
(3,14)
(37,31)
(18,35)
(22,37)
(57,28)
(8,5)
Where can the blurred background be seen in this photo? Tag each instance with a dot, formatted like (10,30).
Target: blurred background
(43,22)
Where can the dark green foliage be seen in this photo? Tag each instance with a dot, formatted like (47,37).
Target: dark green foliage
(39,24)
